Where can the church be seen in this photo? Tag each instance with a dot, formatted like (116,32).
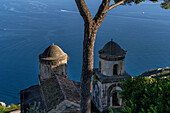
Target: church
(56,93)
(106,80)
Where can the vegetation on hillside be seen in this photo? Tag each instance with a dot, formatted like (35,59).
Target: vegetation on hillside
(161,72)
(146,95)
(9,109)
(35,108)
(112,110)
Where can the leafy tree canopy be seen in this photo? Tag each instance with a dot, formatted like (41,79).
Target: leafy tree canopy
(146,95)
(164,4)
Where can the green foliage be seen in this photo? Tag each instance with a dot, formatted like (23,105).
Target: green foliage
(146,95)
(112,110)
(156,72)
(108,78)
(95,79)
(154,1)
(9,109)
(35,108)
(165,3)
(2,109)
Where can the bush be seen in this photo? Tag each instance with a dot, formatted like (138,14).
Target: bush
(35,108)
(146,95)
(9,109)
(112,110)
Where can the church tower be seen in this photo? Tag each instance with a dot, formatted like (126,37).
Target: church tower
(107,78)
(53,62)
(112,59)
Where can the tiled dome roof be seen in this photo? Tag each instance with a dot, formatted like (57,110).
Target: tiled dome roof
(53,52)
(112,49)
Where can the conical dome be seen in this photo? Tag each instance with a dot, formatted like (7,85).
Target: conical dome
(112,49)
(53,52)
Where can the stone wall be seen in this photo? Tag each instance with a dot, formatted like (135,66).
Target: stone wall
(102,94)
(66,107)
(52,68)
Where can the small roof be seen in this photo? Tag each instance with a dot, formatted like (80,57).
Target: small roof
(69,89)
(52,93)
(112,49)
(57,89)
(53,52)
(30,96)
(106,79)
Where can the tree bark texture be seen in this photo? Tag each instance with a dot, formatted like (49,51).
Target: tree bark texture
(87,69)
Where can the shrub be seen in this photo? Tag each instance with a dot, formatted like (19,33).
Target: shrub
(35,108)
(146,95)
(9,109)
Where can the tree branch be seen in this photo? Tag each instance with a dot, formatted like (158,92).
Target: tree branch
(101,13)
(116,4)
(84,11)
(102,9)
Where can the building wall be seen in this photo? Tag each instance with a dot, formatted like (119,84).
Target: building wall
(52,68)
(102,94)
(107,67)
(97,94)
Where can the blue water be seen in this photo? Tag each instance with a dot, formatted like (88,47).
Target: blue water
(27,27)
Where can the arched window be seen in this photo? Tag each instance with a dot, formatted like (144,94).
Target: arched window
(115,69)
(115,99)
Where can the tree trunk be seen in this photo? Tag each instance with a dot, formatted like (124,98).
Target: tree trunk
(87,69)
(91,27)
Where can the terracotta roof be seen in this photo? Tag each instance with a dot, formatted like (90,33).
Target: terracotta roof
(112,49)
(53,52)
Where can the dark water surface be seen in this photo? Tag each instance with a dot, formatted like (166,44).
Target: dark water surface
(27,27)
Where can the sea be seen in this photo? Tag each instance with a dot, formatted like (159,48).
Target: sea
(28,27)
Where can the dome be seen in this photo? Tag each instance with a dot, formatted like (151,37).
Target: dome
(53,52)
(112,49)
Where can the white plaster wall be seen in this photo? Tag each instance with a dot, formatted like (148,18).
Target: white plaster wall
(107,66)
